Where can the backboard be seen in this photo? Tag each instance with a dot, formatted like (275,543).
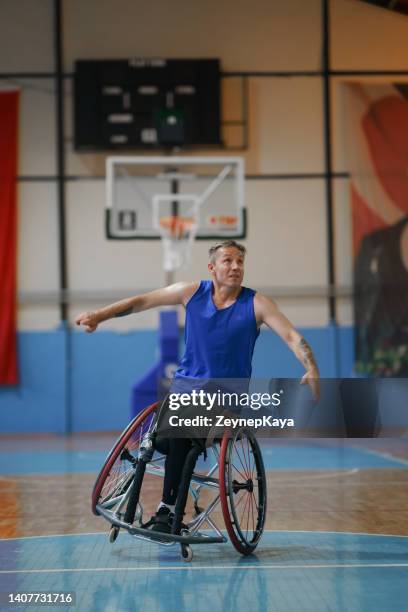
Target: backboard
(141,191)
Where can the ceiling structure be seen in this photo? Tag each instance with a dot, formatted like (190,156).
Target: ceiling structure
(400,6)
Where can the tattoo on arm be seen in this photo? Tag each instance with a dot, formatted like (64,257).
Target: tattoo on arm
(124,313)
(306,354)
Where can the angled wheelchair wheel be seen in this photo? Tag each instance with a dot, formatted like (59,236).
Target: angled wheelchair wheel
(242,489)
(118,470)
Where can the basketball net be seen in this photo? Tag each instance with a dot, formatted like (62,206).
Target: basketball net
(178,235)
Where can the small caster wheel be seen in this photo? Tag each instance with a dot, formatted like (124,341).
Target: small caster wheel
(186,553)
(113,534)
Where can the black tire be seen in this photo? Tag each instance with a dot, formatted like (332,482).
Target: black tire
(242,489)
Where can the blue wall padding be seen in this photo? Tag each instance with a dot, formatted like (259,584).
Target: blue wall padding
(37,403)
(272,358)
(169,336)
(144,390)
(152,385)
(347,356)
(105,365)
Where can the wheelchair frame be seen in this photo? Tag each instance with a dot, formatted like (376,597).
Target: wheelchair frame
(119,503)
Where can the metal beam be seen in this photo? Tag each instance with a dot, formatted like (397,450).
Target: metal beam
(328,155)
(60,153)
(62,237)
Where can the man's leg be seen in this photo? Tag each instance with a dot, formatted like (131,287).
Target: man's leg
(173,467)
(177,450)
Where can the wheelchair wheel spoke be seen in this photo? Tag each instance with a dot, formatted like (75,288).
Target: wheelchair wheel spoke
(247,521)
(251,461)
(252,512)
(243,511)
(240,473)
(240,460)
(245,458)
(248,458)
(117,473)
(240,500)
(254,498)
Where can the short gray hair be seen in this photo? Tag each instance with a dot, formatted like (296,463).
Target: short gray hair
(225,245)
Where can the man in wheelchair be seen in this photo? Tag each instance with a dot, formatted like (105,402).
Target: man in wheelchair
(222,324)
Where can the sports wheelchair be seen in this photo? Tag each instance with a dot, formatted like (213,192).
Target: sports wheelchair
(128,483)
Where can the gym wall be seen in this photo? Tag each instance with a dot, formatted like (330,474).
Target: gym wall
(285,188)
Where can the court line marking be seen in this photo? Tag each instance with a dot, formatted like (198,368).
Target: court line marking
(329,474)
(338,473)
(207,567)
(363,533)
(294,482)
(340,485)
(105,533)
(382,454)
(55,535)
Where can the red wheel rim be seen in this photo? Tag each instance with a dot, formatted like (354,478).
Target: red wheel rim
(124,439)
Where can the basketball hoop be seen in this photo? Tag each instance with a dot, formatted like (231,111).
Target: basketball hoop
(176,199)
(177,226)
(178,234)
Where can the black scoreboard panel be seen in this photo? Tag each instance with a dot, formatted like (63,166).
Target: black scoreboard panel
(146,103)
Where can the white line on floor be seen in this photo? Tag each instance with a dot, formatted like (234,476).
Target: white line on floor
(207,567)
(105,533)
(382,454)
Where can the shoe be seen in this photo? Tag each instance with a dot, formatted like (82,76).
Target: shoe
(162,520)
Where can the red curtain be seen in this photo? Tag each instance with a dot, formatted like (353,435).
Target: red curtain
(8,236)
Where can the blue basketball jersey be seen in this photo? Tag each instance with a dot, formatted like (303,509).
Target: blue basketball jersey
(219,342)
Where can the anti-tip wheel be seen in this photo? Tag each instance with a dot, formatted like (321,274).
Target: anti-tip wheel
(186,553)
(113,533)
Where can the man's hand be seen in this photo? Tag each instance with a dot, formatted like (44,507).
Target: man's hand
(311,378)
(89,320)
(179,293)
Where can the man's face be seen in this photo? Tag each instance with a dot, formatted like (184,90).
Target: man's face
(228,267)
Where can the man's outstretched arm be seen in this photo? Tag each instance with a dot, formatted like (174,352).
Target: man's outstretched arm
(179,293)
(266,311)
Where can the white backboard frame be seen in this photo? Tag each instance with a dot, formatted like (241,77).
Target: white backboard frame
(230,164)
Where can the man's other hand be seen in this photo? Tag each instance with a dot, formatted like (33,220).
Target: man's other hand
(311,378)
